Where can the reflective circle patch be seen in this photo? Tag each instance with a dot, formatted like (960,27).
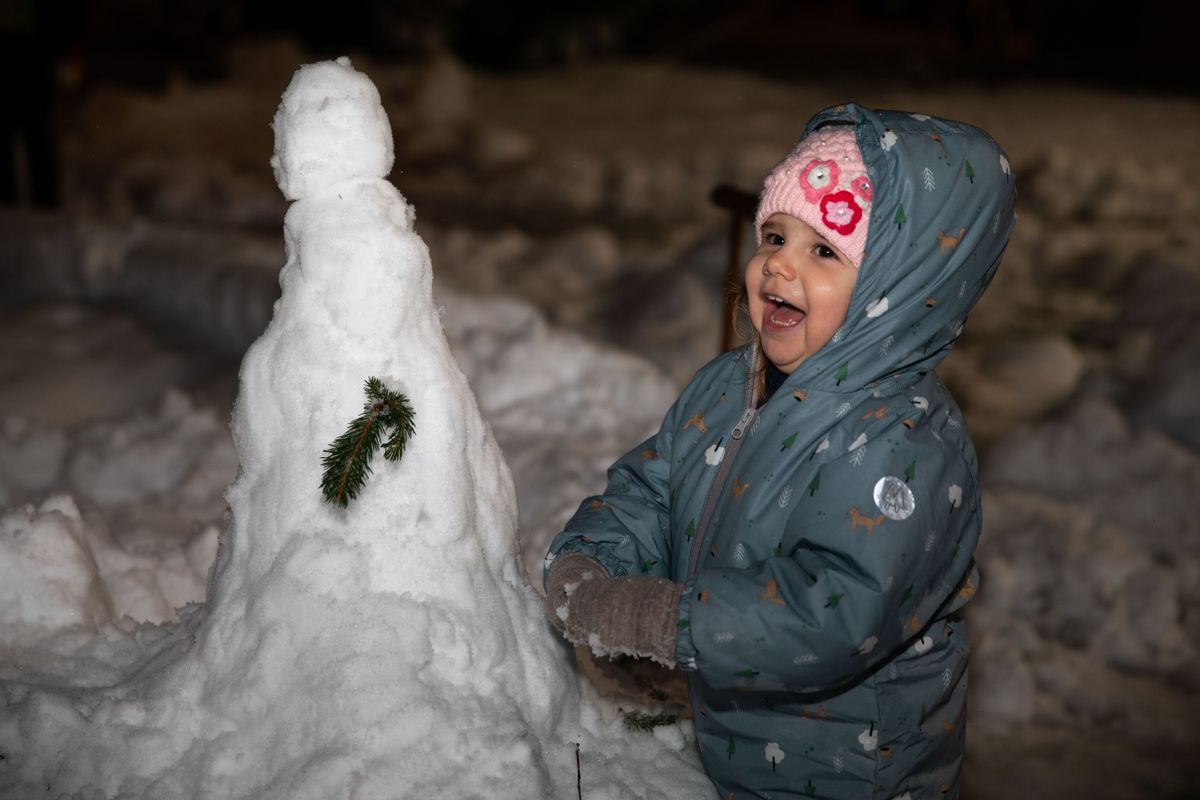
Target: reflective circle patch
(894,498)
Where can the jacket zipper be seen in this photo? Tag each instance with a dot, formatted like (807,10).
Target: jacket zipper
(714,491)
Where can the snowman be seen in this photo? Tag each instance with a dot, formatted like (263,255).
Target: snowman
(391,648)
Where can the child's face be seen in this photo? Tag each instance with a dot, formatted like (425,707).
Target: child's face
(799,288)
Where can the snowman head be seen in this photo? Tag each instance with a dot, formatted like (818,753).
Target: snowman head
(330,127)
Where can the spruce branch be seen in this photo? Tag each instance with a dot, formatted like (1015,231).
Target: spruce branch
(641,721)
(656,693)
(347,461)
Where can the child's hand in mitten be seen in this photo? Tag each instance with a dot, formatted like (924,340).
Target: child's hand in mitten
(566,573)
(634,616)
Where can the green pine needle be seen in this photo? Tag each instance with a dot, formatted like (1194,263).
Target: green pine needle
(347,461)
(655,692)
(641,721)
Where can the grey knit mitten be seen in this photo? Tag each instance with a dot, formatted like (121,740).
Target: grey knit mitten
(635,615)
(566,573)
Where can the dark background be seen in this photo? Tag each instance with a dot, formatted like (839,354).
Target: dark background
(1147,47)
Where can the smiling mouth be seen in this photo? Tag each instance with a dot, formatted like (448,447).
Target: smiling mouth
(778,314)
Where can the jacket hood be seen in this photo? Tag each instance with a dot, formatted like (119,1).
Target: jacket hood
(941,216)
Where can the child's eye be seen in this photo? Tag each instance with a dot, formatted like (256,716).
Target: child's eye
(825,251)
(773,239)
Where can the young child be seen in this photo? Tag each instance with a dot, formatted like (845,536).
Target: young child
(798,536)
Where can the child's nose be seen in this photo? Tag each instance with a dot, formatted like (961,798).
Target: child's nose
(779,264)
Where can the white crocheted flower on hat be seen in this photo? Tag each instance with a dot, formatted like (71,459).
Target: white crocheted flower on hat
(819,178)
(861,185)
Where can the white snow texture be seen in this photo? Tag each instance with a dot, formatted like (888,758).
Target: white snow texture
(332,104)
(392,649)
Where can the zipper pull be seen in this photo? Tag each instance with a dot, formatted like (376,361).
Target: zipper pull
(740,428)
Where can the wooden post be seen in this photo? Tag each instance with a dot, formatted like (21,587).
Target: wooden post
(741,206)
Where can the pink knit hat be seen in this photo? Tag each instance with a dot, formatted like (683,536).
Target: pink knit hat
(823,182)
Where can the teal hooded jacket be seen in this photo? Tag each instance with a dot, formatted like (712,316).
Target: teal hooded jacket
(824,539)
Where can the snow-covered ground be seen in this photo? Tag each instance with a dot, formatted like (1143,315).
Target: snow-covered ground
(578,269)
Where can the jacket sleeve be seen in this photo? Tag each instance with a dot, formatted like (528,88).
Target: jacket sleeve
(626,527)
(855,585)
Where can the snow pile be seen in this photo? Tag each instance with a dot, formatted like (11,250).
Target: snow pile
(73,597)
(559,426)
(1066,527)
(1085,625)
(137,507)
(64,571)
(392,649)
(49,571)
(659,299)
(53,375)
